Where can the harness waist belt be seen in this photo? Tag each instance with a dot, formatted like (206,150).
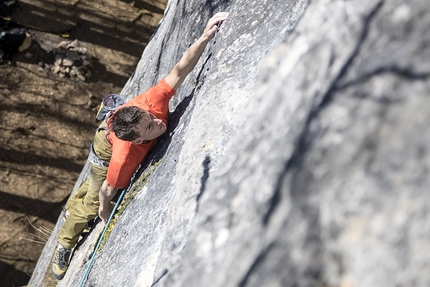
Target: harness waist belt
(94,159)
(106,129)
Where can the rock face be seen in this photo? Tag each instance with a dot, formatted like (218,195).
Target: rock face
(297,152)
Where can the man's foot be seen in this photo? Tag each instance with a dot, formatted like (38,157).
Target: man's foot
(60,262)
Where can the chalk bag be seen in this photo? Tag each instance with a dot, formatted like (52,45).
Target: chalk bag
(108,105)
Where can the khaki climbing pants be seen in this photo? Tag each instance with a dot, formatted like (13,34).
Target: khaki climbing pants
(83,205)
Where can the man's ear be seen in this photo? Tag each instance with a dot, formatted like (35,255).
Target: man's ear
(139,141)
(136,141)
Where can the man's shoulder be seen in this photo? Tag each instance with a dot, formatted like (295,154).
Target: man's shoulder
(160,93)
(162,87)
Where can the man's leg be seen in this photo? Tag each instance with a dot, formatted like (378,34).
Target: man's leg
(84,203)
(103,151)
(83,210)
(82,206)
(77,196)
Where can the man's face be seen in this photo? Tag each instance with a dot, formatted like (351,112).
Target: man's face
(149,128)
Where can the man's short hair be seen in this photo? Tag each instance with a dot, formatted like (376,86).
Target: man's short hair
(124,122)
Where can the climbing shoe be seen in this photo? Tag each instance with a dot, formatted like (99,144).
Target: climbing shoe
(60,262)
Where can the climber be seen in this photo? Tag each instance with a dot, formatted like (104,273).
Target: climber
(121,142)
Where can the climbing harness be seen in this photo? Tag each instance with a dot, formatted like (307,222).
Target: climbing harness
(107,130)
(94,159)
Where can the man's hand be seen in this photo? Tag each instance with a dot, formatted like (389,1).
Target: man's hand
(104,212)
(192,55)
(107,192)
(212,25)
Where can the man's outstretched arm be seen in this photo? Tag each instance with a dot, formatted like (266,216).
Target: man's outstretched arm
(192,55)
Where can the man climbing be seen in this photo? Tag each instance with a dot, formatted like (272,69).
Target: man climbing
(121,142)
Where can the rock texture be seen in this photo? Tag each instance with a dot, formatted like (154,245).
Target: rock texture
(297,152)
(72,60)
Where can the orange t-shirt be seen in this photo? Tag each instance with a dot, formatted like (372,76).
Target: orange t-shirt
(127,156)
